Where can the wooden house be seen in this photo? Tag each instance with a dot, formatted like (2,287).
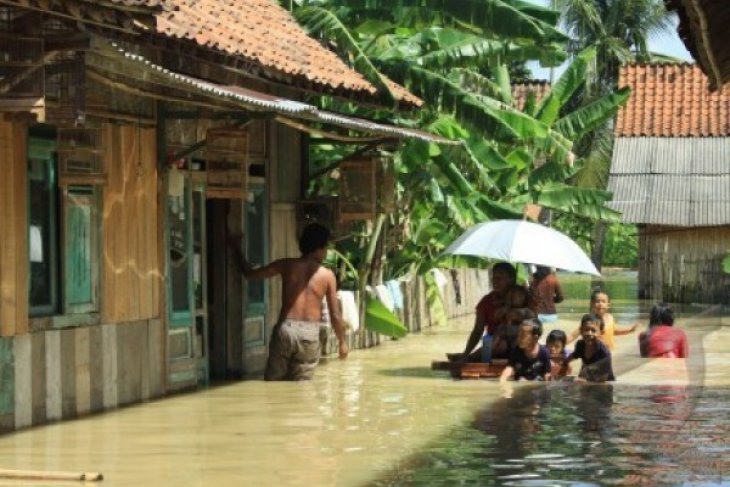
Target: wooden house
(670,175)
(137,136)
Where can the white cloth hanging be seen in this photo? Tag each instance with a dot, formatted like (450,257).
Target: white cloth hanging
(441,281)
(350,313)
(383,294)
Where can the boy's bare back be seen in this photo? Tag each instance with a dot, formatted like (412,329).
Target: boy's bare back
(304,284)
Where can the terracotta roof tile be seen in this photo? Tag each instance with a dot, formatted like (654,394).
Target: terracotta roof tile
(520,91)
(262,32)
(672,100)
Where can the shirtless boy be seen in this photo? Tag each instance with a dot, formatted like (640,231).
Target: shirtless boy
(294,349)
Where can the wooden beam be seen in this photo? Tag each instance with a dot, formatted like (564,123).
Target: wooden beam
(14,79)
(80,42)
(101,78)
(330,135)
(44,7)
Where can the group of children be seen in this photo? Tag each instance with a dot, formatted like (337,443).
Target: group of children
(529,360)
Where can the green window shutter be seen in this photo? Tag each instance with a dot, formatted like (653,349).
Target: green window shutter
(81,249)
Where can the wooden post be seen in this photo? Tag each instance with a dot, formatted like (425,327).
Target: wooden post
(48,475)
(365,268)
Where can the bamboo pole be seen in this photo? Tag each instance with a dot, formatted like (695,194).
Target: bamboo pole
(365,268)
(50,475)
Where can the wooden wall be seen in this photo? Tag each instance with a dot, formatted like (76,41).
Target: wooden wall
(13,230)
(131,269)
(684,265)
(63,374)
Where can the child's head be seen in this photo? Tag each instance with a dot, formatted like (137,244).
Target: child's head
(555,342)
(600,303)
(516,296)
(661,314)
(530,332)
(504,275)
(591,327)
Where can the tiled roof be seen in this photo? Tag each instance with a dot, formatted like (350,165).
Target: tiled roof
(263,32)
(520,91)
(671,100)
(250,99)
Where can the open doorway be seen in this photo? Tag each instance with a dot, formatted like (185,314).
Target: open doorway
(218,336)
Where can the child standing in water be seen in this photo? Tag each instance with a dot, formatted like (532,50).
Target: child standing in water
(595,355)
(529,360)
(555,344)
(600,304)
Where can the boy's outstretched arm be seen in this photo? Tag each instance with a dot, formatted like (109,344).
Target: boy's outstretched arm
(270,270)
(625,330)
(507,374)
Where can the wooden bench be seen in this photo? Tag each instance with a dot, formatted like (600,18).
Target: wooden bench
(471,370)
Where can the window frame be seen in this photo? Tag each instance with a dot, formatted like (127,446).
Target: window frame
(43,149)
(60,313)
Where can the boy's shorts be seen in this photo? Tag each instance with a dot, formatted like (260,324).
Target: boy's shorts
(294,350)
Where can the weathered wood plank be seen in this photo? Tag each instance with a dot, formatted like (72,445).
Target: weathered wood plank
(157,359)
(132,218)
(110,365)
(20,233)
(54,398)
(23,380)
(38,384)
(112,206)
(96,369)
(81,366)
(68,373)
(148,220)
(7,385)
(7,217)
(129,361)
(13,251)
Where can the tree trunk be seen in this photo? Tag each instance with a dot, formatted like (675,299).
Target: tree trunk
(365,268)
(599,241)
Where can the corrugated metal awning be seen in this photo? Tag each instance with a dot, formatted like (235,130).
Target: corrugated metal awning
(253,100)
(671,181)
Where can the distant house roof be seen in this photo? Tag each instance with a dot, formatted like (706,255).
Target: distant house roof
(703,27)
(678,181)
(520,91)
(263,32)
(671,100)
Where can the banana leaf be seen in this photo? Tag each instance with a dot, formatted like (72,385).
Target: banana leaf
(380,319)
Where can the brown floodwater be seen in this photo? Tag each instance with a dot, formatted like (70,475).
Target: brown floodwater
(384,418)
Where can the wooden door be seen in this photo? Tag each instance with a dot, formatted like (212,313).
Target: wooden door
(186,282)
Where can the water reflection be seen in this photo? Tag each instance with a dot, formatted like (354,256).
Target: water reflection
(584,434)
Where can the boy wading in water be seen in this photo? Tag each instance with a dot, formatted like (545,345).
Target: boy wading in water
(294,349)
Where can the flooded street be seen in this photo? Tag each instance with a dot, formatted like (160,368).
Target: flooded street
(384,418)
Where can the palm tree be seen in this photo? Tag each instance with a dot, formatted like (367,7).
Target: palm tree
(619,30)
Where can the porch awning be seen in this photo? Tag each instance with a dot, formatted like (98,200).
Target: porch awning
(136,70)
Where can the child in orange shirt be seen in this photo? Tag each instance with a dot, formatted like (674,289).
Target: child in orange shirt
(600,304)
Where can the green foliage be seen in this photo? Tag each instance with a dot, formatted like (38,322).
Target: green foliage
(622,246)
(459,57)
(379,318)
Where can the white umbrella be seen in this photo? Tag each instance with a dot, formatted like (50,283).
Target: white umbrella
(524,242)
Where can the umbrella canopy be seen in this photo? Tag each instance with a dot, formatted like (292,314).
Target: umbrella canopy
(524,242)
